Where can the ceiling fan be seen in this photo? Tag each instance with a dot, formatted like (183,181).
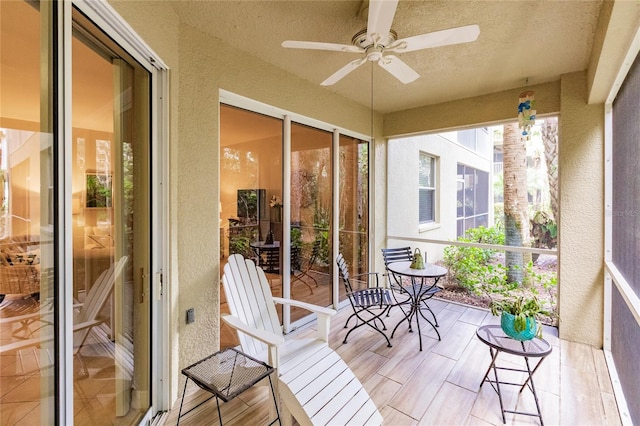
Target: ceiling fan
(378,39)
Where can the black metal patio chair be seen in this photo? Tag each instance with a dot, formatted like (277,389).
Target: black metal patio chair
(369,303)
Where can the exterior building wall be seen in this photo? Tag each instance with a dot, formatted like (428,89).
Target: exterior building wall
(402,206)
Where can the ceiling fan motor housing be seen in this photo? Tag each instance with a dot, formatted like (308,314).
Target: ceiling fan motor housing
(363,41)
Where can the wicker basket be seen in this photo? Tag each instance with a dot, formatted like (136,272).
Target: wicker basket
(508,326)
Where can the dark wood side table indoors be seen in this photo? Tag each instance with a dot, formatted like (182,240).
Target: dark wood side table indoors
(494,337)
(226,374)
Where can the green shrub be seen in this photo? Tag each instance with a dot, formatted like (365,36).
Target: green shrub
(476,269)
(472,267)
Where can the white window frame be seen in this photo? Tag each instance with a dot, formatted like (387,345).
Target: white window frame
(434,162)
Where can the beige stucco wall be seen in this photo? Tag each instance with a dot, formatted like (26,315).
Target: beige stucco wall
(581,224)
(200,65)
(490,108)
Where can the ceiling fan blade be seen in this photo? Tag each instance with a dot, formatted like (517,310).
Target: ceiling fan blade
(398,69)
(293,44)
(437,38)
(381,13)
(338,75)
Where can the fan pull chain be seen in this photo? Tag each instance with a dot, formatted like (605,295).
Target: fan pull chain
(372,138)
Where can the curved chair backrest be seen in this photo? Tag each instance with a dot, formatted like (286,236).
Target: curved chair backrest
(315,252)
(399,254)
(344,270)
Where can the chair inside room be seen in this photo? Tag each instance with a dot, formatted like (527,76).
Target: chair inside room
(302,263)
(271,260)
(404,254)
(369,303)
(301,364)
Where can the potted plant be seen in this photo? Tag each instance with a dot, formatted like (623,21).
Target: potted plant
(519,316)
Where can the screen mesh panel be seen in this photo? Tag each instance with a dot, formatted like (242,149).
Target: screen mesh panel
(625,213)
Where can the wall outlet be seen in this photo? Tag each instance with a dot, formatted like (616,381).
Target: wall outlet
(191,315)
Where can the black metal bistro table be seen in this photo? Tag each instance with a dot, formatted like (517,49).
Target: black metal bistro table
(494,337)
(226,374)
(423,286)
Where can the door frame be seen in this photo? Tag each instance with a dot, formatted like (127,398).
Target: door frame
(112,24)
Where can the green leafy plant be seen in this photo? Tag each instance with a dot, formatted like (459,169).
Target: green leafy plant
(240,239)
(521,307)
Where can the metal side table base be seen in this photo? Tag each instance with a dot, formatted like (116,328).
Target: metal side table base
(494,337)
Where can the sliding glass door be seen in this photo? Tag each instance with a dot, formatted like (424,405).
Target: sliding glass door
(277,173)
(27,213)
(74,350)
(354,205)
(311,212)
(250,196)
(111,229)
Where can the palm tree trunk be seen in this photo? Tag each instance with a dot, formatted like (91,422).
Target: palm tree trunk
(516,216)
(550,139)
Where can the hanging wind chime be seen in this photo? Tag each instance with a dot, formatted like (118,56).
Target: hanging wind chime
(526,113)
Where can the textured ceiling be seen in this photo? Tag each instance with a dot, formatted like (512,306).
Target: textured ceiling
(519,41)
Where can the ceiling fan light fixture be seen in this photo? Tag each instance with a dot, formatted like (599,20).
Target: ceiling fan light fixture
(374,54)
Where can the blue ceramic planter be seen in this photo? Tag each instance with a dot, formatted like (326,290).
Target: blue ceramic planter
(508,326)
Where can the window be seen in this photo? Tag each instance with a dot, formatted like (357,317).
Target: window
(426,188)
(472,198)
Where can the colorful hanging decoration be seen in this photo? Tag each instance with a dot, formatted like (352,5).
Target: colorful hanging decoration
(526,113)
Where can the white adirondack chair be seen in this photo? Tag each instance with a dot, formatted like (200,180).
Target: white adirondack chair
(314,383)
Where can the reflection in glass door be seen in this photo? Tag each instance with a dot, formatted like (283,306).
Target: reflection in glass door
(111,222)
(311,213)
(27,216)
(250,197)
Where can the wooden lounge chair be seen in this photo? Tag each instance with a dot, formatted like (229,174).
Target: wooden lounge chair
(315,385)
(86,315)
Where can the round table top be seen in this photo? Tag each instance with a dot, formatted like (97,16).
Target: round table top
(264,245)
(430,270)
(493,336)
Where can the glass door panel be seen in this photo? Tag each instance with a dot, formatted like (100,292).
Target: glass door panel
(354,206)
(250,197)
(311,210)
(27,214)
(111,229)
